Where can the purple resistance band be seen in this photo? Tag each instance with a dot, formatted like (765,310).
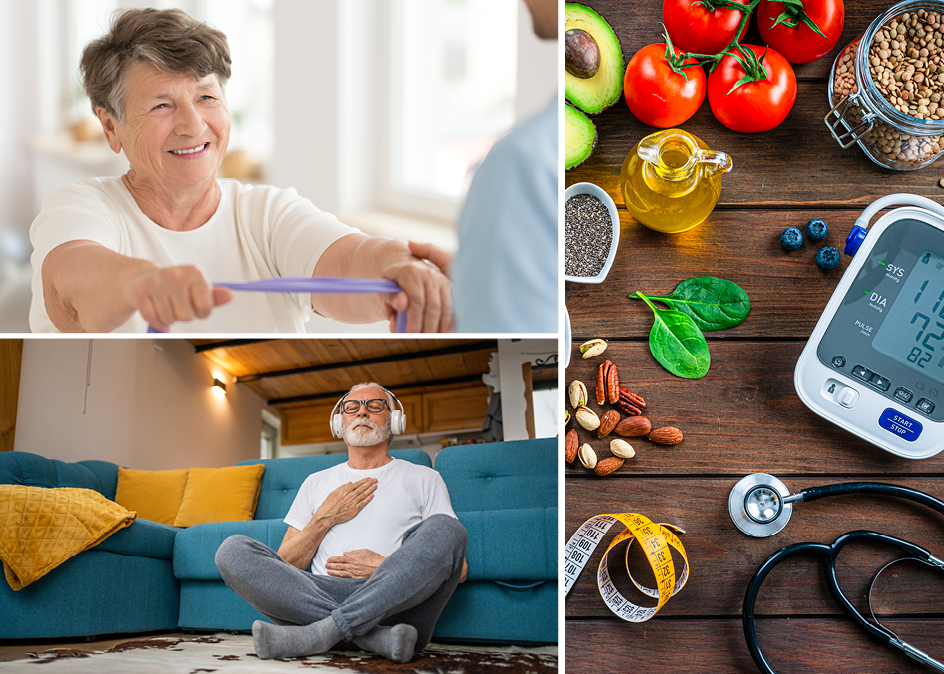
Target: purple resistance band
(320,286)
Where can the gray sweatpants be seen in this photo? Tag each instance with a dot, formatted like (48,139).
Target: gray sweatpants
(410,586)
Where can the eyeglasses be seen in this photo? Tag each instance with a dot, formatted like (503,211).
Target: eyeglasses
(373,405)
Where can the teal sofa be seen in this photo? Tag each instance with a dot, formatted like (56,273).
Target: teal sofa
(152,577)
(124,584)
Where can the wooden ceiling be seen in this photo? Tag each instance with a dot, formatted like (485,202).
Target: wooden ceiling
(291,372)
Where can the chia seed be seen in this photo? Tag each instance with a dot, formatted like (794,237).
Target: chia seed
(588,234)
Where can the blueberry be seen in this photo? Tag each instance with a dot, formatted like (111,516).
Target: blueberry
(827,257)
(816,230)
(792,238)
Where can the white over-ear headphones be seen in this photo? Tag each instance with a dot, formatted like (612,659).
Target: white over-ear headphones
(397,417)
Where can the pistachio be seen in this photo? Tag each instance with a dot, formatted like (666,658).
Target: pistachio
(622,449)
(587,418)
(593,348)
(578,394)
(587,456)
(566,416)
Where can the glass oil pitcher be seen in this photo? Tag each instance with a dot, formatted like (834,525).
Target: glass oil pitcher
(671,180)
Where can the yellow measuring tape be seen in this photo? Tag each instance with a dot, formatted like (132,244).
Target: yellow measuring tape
(655,540)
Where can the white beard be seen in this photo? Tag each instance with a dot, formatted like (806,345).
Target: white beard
(364,433)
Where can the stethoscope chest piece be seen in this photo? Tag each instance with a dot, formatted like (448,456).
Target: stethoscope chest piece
(757,507)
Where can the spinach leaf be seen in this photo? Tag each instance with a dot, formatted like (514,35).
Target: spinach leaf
(713,303)
(677,343)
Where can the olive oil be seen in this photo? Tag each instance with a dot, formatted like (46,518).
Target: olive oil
(671,180)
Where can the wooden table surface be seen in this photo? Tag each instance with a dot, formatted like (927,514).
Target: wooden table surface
(744,416)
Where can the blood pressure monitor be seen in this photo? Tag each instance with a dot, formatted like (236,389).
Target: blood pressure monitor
(874,364)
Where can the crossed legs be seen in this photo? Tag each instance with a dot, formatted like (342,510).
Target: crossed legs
(391,613)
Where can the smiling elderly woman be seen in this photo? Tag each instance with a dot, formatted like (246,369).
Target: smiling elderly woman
(118,254)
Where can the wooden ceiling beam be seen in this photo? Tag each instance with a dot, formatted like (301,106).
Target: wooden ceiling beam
(337,394)
(396,358)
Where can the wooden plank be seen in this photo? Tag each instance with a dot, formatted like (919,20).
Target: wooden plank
(723,560)
(744,416)
(788,290)
(637,24)
(796,164)
(718,646)
(11,358)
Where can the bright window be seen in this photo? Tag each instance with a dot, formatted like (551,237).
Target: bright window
(454,74)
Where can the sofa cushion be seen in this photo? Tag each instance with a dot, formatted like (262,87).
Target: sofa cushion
(144,539)
(33,470)
(195,548)
(154,494)
(501,475)
(511,544)
(219,495)
(283,477)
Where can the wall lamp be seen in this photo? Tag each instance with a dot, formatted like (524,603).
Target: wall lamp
(219,388)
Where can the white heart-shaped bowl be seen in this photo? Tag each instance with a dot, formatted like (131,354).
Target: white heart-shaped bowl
(593,190)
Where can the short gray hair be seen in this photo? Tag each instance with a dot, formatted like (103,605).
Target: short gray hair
(169,39)
(391,400)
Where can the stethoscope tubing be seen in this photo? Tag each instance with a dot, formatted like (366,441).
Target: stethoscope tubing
(871,488)
(830,552)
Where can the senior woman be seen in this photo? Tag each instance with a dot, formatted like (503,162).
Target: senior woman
(119,254)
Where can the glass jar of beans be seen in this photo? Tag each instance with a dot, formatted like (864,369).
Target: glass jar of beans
(886,89)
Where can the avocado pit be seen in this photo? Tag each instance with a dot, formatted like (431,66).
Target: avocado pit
(581,53)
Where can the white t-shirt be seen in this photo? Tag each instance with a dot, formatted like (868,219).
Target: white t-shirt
(257,232)
(406,495)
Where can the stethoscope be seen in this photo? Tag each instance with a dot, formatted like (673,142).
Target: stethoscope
(760,505)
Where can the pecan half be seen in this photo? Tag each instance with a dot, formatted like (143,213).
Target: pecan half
(631,397)
(612,384)
(601,382)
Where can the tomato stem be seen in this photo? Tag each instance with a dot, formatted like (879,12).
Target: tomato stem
(714,59)
(793,14)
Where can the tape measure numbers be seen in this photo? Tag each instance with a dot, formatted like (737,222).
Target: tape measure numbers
(656,541)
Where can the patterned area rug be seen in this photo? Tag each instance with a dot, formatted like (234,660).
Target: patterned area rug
(233,653)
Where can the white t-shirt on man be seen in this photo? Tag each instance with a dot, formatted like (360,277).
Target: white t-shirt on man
(406,495)
(257,232)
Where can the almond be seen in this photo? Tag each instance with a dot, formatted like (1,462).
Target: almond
(570,445)
(668,435)
(607,466)
(607,423)
(633,427)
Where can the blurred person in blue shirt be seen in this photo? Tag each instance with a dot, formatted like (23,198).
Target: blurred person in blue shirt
(505,273)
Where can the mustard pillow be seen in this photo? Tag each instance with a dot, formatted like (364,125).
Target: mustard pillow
(154,494)
(220,495)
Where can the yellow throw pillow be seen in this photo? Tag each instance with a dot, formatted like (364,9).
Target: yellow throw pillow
(154,494)
(220,495)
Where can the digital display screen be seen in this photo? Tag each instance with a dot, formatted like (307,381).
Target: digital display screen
(913,331)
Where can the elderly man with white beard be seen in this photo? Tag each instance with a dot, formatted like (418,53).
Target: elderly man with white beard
(372,553)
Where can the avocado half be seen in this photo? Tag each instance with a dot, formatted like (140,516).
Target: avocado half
(580,136)
(597,93)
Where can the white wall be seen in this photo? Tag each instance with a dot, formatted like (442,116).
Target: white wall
(19,117)
(148,405)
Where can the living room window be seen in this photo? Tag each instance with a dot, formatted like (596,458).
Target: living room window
(456,88)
